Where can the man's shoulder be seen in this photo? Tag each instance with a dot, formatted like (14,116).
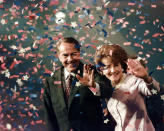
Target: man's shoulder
(56,73)
(55,78)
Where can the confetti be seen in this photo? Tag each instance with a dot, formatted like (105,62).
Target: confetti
(31,29)
(8,126)
(57,82)
(60,17)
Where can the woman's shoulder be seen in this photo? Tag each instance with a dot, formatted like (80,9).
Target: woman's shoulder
(131,79)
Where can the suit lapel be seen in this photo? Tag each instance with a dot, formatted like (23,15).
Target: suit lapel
(60,94)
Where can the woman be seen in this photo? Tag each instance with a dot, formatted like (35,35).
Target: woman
(127,103)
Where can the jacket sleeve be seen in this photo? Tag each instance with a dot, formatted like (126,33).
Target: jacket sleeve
(50,118)
(156,84)
(147,89)
(105,86)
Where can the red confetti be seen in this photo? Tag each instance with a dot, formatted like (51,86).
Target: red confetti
(156,35)
(90,45)
(57,82)
(54,2)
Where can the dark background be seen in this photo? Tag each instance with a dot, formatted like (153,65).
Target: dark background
(28,36)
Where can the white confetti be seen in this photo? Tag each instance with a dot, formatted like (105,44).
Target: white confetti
(60,18)
(78,84)
(154,91)
(13,47)
(16,22)
(8,126)
(162,97)
(20,83)
(7,74)
(3,21)
(74,24)
(98,8)
(26,77)
(106,121)
(22,50)
(1,1)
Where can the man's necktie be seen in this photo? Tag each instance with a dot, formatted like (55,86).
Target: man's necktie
(68,86)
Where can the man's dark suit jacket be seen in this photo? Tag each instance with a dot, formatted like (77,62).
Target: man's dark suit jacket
(83,111)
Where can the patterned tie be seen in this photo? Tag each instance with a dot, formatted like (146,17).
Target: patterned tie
(68,86)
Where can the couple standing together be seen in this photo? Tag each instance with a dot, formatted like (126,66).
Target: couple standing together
(72,94)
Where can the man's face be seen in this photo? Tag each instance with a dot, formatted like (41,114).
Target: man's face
(69,56)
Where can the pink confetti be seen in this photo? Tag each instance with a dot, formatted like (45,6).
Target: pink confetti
(1,109)
(71,14)
(138,45)
(2,83)
(1,6)
(15,62)
(159,68)
(32,123)
(142,22)
(160,50)
(127,43)
(90,45)
(35,70)
(54,2)
(156,35)
(146,32)
(29,114)
(39,121)
(91,17)
(57,82)
(82,38)
(162,28)
(48,71)
(131,3)
(20,99)
(3,66)
(48,17)
(78,8)
(153,6)
(14,76)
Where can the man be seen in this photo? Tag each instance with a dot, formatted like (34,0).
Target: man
(73,106)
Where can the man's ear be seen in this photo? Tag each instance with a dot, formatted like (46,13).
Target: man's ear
(146,68)
(57,54)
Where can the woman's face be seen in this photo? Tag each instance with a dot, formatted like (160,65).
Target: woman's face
(113,72)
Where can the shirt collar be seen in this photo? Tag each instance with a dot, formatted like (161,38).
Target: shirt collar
(66,73)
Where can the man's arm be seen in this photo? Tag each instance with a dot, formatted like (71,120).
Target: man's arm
(105,87)
(98,84)
(50,118)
